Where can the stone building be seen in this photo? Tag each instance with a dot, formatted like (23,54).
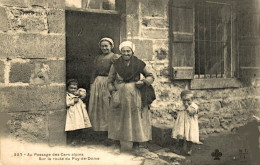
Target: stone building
(211,47)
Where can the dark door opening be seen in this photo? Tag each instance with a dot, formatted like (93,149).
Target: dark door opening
(83,32)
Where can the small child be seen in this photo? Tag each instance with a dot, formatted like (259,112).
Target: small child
(77,117)
(186,127)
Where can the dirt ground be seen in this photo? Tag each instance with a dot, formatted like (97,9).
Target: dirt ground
(233,147)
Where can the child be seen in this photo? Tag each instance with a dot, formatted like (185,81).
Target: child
(77,117)
(186,127)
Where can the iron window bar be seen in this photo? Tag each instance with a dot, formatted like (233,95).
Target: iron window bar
(220,45)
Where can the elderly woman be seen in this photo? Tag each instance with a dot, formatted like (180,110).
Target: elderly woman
(99,94)
(129,118)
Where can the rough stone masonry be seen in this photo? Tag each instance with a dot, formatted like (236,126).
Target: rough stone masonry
(32,68)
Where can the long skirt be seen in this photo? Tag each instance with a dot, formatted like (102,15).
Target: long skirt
(127,120)
(99,104)
(77,117)
(186,127)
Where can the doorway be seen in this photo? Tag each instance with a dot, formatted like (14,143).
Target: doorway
(83,32)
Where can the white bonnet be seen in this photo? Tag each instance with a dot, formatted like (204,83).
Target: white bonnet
(107,39)
(127,43)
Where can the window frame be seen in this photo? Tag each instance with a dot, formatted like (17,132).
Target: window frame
(209,83)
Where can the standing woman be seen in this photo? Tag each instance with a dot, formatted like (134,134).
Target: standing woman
(99,94)
(129,119)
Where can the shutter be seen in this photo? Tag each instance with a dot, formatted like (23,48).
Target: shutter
(249,58)
(249,43)
(182,59)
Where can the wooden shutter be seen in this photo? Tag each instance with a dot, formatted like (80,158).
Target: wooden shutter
(181,34)
(249,41)
(249,58)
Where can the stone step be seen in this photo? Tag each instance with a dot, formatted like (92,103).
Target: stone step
(167,154)
(161,134)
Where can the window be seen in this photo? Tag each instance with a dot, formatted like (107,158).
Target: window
(202,43)
(99,6)
(213,40)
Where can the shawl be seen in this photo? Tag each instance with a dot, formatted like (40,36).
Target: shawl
(129,73)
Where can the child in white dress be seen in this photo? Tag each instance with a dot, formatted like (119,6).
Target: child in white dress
(77,117)
(186,127)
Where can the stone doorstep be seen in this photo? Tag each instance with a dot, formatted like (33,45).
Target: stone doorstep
(161,135)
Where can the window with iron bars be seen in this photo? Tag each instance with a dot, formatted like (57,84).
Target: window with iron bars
(213,37)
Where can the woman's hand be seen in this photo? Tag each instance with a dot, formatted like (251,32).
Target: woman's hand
(139,84)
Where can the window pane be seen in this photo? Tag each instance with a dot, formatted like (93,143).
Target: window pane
(92,4)
(74,3)
(212,39)
(100,4)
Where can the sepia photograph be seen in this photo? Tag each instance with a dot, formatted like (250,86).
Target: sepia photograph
(130,82)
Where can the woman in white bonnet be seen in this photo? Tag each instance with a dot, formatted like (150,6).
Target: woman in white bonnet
(129,118)
(99,94)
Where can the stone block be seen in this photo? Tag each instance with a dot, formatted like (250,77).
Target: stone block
(161,134)
(37,3)
(56,127)
(32,98)
(46,72)
(16,3)
(132,25)
(2,71)
(3,20)
(160,49)
(157,23)
(170,156)
(204,123)
(132,7)
(155,33)
(27,19)
(32,45)
(35,24)
(143,152)
(212,106)
(154,8)
(60,4)
(21,72)
(214,123)
(4,119)
(250,103)
(56,21)
(57,71)
(143,49)
(29,126)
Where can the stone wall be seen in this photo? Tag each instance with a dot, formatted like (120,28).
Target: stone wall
(221,110)
(32,68)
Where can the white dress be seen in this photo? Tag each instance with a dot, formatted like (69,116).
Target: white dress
(186,126)
(77,116)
